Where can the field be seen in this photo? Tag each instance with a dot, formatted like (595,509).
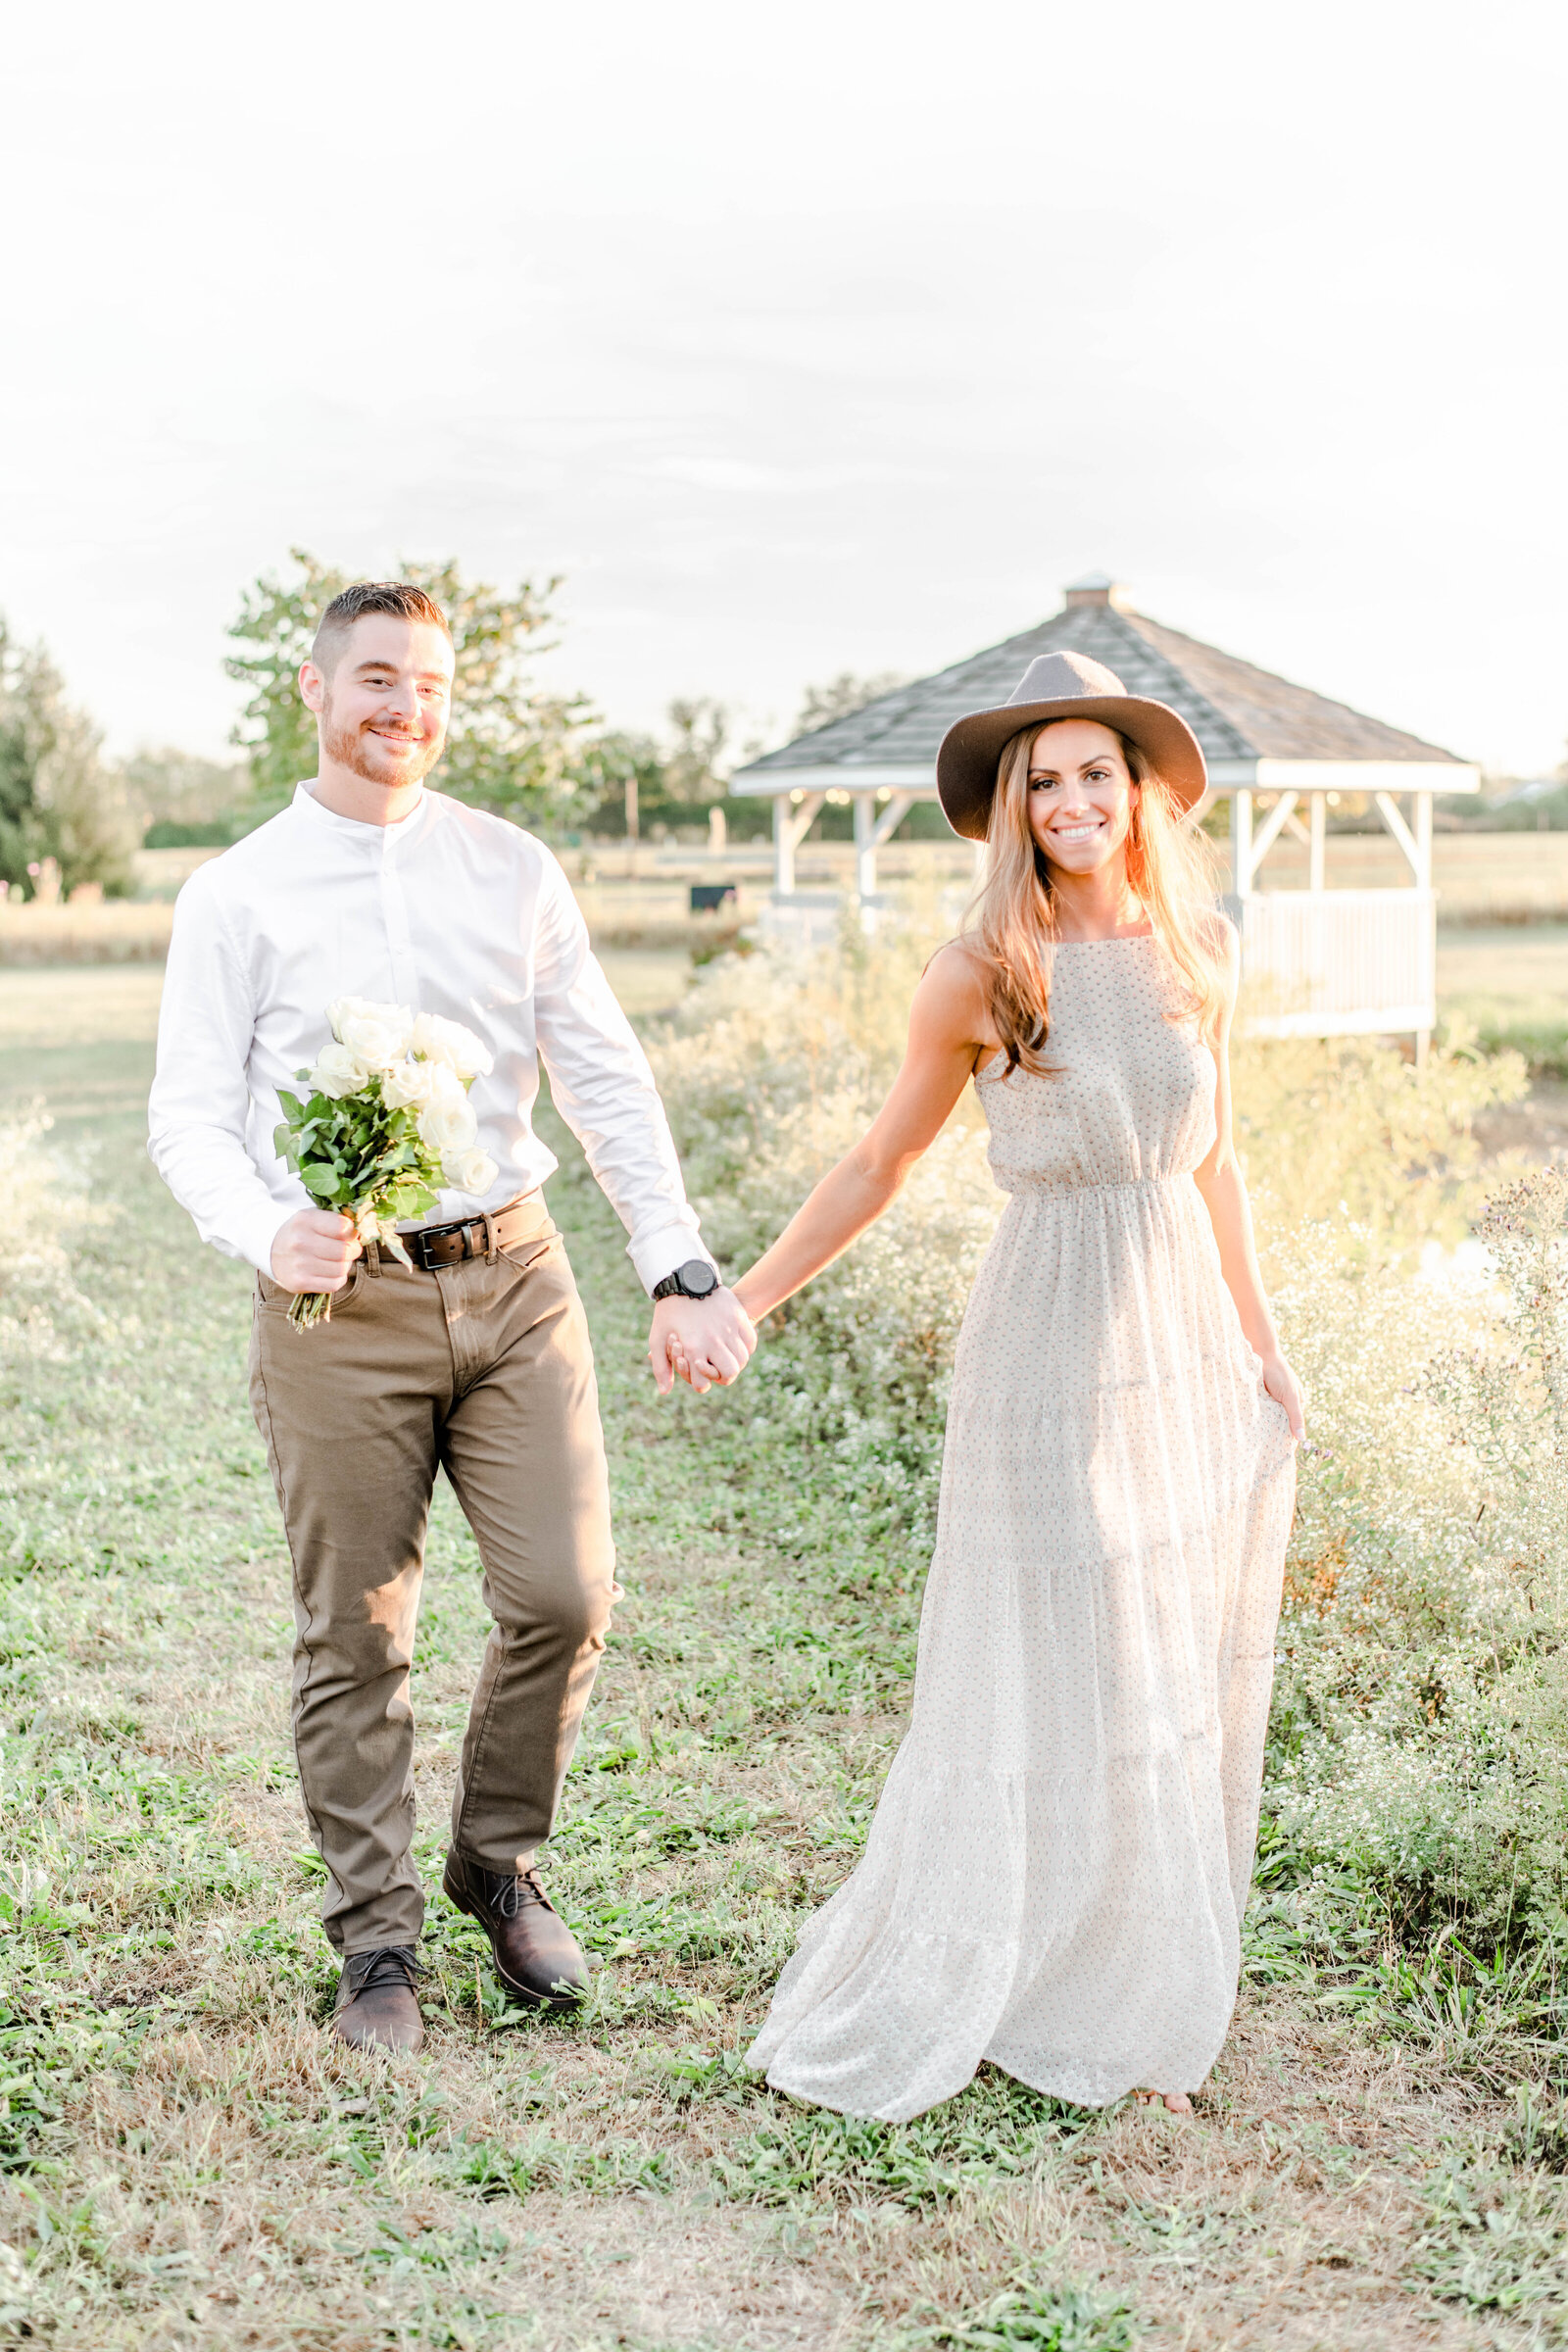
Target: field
(1379,2159)
(1511,983)
(1502,947)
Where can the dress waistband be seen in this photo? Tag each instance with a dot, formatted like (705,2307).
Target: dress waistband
(1043,1189)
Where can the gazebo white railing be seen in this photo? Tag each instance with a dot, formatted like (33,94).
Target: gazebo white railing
(1340,962)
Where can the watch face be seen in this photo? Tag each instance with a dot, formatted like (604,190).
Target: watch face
(698,1278)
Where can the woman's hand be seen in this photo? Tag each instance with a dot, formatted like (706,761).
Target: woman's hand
(1286,1390)
(701,1340)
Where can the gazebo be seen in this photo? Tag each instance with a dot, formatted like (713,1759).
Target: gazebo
(1329,961)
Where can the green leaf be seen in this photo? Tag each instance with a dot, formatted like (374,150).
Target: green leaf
(324,1183)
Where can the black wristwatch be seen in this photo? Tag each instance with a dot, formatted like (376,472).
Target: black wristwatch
(696,1279)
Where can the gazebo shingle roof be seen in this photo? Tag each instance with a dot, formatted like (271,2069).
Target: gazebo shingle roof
(1237,712)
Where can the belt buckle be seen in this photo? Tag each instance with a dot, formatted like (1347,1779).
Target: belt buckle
(428,1263)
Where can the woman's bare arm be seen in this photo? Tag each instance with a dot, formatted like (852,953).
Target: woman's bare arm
(1224,1189)
(949,1032)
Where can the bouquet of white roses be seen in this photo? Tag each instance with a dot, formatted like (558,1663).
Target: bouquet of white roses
(386,1121)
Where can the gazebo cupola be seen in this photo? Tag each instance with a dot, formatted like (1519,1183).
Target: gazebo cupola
(1334,961)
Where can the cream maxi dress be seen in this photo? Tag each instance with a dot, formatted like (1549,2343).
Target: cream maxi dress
(1056,1871)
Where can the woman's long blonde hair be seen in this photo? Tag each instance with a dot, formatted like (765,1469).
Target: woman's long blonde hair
(1010,924)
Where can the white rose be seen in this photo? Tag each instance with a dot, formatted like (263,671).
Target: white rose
(471,1171)
(409,1085)
(339,1071)
(447,1128)
(377,1033)
(444,1089)
(450,1042)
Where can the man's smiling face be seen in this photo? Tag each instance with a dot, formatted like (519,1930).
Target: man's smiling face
(383,710)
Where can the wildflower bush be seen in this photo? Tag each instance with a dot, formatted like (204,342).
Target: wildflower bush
(1421,1724)
(770,1074)
(44,1185)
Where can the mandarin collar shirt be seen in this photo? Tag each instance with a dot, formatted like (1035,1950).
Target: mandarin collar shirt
(448,911)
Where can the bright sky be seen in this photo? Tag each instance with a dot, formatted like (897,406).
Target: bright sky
(835,337)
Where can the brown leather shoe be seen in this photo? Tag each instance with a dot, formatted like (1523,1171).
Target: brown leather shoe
(378,2001)
(537,1957)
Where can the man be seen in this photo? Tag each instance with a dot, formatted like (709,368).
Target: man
(478,1360)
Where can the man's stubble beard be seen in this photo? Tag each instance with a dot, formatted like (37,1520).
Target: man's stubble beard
(345,747)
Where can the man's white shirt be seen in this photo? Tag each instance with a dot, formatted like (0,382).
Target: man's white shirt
(449,912)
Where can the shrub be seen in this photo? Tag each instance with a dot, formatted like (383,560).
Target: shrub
(1421,1721)
(44,1186)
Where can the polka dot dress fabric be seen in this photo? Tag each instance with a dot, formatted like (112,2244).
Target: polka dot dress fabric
(1056,1872)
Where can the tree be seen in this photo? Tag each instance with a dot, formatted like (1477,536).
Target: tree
(176,799)
(621,775)
(618,779)
(57,797)
(695,766)
(26,837)
(508,746)
(842,695)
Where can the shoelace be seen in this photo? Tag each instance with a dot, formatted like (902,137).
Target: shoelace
(394,1964)
(517,1893)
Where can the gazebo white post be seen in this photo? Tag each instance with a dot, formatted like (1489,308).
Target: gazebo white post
(1422,814)
(1240,843)
(1269,831)
(783,846)
(1317,852)
(793,814)
(872,827)
(866,845)
(1416,847)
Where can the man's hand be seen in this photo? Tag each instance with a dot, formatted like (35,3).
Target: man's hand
(703,1340)
(315,1250)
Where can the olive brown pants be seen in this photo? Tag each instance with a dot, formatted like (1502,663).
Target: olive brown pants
(482,1369)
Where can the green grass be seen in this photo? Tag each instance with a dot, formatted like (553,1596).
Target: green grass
(185,2159)
(1509,983)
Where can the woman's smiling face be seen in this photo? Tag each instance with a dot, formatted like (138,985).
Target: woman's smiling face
(1081,798)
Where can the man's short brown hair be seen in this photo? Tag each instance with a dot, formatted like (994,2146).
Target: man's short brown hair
(400,597)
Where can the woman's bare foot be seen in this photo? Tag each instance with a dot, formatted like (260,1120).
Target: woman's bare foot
(1176,2101)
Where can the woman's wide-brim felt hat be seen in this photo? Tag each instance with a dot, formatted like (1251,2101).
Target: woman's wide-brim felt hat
(1063,686)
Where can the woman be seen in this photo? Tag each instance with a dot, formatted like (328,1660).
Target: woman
(1056,1876)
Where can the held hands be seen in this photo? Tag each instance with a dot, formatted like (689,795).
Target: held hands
(1286,1390)
(315,1250)
(703,1339)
